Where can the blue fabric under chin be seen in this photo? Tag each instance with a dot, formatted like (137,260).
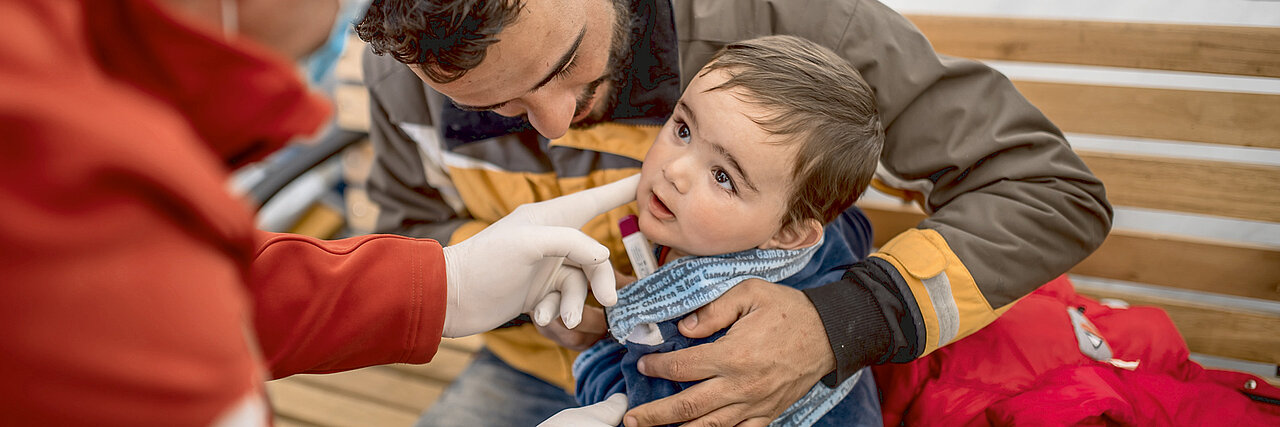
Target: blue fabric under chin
(683,285)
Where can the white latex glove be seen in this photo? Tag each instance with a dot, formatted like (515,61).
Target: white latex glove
(515,263)
(568,301)
(604,414)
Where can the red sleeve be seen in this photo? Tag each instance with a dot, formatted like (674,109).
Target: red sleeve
(324,306)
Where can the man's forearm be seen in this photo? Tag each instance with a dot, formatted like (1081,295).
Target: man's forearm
(866,318)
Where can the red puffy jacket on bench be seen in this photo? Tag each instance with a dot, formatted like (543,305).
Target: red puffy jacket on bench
(1028,368)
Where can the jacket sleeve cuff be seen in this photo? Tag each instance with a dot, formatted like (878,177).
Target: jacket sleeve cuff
(866,319)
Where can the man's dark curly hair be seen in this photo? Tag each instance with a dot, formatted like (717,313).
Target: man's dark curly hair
(446,37)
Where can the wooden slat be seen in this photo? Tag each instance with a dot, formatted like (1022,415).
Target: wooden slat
(353,107)
(469,344)
(1214,330)
(1187,185)
(1228,268)
(349,68)
(382,385)
(380,394)
(1253,51)
(1229,118)
(889,221)
(1179,262)
(282,421)
(315,405)
(319,221)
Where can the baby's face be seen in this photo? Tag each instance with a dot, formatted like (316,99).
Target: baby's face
(714,182)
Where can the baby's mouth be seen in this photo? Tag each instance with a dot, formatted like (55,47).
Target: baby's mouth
(659,209)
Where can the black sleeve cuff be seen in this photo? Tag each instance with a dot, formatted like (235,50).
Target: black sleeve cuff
(866,319)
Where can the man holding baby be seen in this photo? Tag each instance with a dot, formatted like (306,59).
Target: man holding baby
(480,106)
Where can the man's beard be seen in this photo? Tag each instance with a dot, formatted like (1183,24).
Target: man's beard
(617,72)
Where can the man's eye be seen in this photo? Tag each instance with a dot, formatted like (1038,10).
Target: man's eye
(723,179)
(683,132)
(568,69)
(474,109)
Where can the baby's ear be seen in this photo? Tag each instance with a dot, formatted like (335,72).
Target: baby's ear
(799,235)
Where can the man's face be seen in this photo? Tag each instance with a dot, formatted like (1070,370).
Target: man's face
(714,182)
(552,65)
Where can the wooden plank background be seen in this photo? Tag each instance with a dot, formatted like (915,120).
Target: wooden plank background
(1243,119)
(389,395)
(1208,187)
(1249,51)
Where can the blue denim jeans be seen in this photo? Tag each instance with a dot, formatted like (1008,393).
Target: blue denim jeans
(492,393)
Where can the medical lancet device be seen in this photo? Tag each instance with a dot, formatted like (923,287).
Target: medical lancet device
(637,246)
(644,264)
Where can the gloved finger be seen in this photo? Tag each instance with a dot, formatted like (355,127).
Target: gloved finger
(603,283)
(545,310)
(603,414)
(547,242)
(574,210)
(573,291)
(580,250)
(610,411)
(605,296)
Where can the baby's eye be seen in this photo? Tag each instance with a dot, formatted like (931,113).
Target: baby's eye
(723,179)
(683,132)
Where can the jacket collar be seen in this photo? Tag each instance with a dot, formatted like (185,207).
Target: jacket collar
(647,97)
(241,99)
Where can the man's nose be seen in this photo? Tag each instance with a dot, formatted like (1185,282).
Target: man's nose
(551,112)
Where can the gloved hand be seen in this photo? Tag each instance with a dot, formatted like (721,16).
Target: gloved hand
(515,263)
(604,414)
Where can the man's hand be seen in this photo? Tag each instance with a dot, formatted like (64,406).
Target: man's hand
(776,350)
(592,328)
(512,265)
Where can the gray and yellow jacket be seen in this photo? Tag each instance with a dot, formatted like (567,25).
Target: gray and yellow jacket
(1010,205)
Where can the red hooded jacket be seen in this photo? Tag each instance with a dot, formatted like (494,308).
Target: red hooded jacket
(136,290)
(1027,368)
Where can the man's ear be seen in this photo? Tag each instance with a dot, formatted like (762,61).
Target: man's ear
(799,235)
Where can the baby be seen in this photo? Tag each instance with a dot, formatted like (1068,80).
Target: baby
(771,141)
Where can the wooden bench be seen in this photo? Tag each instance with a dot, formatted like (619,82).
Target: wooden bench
(388,395)
(1158,145)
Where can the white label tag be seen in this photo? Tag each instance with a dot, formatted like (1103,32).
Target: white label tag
(1091,342)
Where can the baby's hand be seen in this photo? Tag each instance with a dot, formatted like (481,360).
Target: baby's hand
(622,279)
(592,328)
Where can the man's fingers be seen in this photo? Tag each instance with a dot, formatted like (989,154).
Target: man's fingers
(546,309)
(754,422)
(735,414)
(573,294)
(716,315)
(593,321)
(574,210)
(591,329)
(691,403)
(690,364)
